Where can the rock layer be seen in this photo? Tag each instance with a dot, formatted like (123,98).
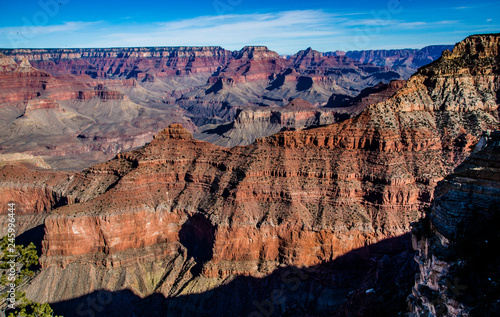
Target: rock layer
(459,269)
(403,61)
(75,94)
(253,123)
(43,115)
(297,198)
(126,62)
(209,82)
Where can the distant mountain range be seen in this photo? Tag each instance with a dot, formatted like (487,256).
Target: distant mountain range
(308,222)
(404,61)
(98,102)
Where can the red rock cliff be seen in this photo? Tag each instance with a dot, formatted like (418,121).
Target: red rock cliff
(294,198)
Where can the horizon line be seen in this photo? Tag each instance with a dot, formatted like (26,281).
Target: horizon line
(218,47)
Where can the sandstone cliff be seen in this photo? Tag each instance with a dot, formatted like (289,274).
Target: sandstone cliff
(181,216)
(88,104)
(253,123)
(256,122)
(209,82)
(458,238)
(126,62)
(43,115)
(403,61)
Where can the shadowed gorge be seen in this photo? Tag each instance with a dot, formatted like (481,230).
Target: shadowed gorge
(457,240)
(313,220)
(68,109)
(339,285)
(197,235)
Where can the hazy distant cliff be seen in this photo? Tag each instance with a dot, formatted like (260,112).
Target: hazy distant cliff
(140,90)
(178,220)
(404,61)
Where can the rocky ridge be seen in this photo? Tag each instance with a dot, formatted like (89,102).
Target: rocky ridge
(404,61)
(256,122)
(66,115)
(181,216)
(212,83)
(456,240)
(126,62)
(195,86)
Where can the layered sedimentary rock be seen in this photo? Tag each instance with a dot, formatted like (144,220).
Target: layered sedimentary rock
(181,216)
(43,115)
(403,61)
(366,97)
(253,123)
(252,63)
(209,82)
(33,191)
(260,77)
(88,104)
(82,91)
(458,239)
(126,62)
(22,82)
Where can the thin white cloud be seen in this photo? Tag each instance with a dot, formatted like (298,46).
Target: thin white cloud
(448,22)
(230,31)
(423,24)
(285,32)
(28,35)
(42,30)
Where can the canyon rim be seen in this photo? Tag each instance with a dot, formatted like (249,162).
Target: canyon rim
(204,181)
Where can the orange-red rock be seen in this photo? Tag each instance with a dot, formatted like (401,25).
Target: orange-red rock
(295,198)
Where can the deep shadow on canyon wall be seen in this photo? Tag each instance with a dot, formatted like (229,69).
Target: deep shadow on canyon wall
(197,234)
(371,281)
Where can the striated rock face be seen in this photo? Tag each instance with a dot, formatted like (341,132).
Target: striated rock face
(403,61)
(209,82)
(126,62)
(181,216)
(26,159)
(258,77)
(253,123)
(252,63)
(256,53)
(81,106)
(458,238)
(22,82)
(35,193)
(366,97)
(43,115)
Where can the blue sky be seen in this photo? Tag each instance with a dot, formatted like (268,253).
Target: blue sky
(285,26)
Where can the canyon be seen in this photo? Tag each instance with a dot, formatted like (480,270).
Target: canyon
(306,221)
(72,119)
(253,123)
(73,108)
(404,61)
(457,239)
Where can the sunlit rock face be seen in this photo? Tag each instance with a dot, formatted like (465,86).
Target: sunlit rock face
(179,216)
